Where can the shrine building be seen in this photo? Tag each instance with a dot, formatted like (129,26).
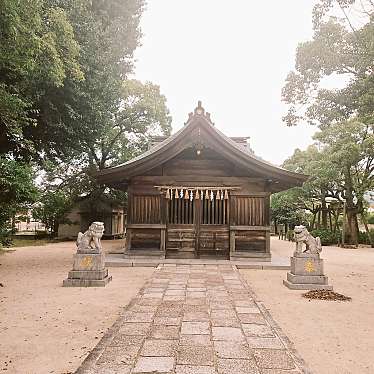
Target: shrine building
(197,194)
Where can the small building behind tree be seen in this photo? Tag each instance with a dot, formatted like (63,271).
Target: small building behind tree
(199,193)
(87,210)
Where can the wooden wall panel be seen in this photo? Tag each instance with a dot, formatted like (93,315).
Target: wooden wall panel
(250,241)
(145,209)
(248,211)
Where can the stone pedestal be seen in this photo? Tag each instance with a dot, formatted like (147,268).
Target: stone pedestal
(306,273)
(88,271)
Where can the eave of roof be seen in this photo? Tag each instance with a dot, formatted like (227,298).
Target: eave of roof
(167,149)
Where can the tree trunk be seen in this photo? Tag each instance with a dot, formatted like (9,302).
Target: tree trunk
(313,221)
(352,227)
(324,212)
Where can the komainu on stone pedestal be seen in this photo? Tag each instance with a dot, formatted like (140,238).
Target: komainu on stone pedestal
(306,265)
(89,261)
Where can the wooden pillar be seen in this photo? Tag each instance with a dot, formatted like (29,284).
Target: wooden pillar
(232,241)
(162,240)
(128,239)
(267,243)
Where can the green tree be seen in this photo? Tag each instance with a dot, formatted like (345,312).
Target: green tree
(338,50)
(322,185)
(38,53)
(286,209)
(143,113)
(17,192)
(350,149)
(52,209)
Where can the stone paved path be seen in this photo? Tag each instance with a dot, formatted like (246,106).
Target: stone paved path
(194,319)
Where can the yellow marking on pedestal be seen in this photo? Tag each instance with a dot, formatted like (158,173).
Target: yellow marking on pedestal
(309,266)
(87,262)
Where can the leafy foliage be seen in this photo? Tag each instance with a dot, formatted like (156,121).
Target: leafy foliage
(52,209)
(17,192)
(337,50)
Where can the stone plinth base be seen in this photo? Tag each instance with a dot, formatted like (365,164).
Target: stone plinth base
(306,273)
(88,271)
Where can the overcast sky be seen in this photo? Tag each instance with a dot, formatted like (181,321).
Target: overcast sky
(234,56)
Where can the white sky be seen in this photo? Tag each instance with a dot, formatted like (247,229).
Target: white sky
(234,56)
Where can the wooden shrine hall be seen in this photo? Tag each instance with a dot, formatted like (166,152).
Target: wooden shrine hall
(199,193)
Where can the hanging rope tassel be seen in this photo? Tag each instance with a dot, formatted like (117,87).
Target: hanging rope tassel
(218,196)
(186,195)
(181,194)
(226,195)
(191,195)
(211,195)
(168,194)
(221,195)
(197,196)
(206,195)
(176,193)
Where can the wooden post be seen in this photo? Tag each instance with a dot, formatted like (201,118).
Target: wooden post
(232,241)
(162,240)
(344,222)
(128,240)
(267,248)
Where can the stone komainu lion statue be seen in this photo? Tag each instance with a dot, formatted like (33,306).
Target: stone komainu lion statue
(90,241)
(302,236)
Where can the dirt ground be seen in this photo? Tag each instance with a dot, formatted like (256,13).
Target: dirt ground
(46,328)
(332,337)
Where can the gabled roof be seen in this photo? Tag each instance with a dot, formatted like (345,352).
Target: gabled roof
(199,129)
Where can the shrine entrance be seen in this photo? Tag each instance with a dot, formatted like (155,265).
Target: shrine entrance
(197,223)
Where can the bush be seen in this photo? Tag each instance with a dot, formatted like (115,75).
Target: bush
(327,237)
(363,237)
(371,219)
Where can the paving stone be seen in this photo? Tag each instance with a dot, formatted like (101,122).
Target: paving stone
(195,355)
(279,371)
(192,328)
(258,342)
(236,366)
(194,369)
(244,303)
(167,321)
(225,322)
(175,298)
(230,334)
(138,317)
(153,295)
(175,293)
(165,332)
(143,308)
(109,369)
(195,339)
(118,355)
(273,359)
(195,308)
(192,320)
(154,365)
(226,349)
(159,347)
(134,328)
(252,318)
(220,305)
(196,316)
(195,301)
(248,309)
(252,329)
